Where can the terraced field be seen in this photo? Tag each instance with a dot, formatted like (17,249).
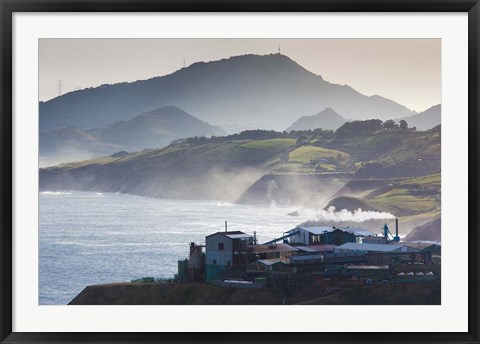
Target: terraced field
(272,145)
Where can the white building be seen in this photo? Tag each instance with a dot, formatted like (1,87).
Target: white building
(227,248)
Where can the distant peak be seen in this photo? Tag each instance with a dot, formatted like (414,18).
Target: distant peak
(437,106)
(328,109)
(120,154)
(164,109)
(276,60)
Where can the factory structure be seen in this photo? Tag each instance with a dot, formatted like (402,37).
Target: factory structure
(329,256)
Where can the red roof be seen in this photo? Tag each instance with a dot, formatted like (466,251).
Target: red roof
(322,248)
(273,248)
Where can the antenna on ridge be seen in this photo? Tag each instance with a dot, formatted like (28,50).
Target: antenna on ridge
(184,64)
(279,51)
(60,84)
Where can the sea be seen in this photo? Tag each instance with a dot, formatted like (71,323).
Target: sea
(88,238)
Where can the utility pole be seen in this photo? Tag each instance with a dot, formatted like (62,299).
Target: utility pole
(60,84)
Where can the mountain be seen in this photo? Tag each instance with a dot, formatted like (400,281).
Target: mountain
(427,119)
(71,144)
(430,231)
(242,92)
(155,129)
(327,119)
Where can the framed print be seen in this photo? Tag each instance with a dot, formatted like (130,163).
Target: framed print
(209,171)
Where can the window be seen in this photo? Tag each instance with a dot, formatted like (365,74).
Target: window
(221,246)
(214,262)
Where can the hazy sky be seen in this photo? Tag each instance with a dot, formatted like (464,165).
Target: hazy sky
(407,71)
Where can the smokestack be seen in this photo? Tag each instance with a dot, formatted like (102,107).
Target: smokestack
(226,226)
(396,228)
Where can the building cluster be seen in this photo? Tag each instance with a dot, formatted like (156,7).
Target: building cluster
(319,255)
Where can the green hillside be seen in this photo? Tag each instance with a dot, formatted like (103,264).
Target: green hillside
(393,171)
(272,145)
(212,170)
(392,154)
(415,201)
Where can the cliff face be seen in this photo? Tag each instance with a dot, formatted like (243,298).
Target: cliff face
(307,190)
(205,294)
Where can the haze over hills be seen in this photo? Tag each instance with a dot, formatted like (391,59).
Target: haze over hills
(242,92)
(155,129)
(427,119)
(261,167)
(71,144)
(327,119)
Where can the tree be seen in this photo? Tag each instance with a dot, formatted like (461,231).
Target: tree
(357,128)
(403,124)
(390,124)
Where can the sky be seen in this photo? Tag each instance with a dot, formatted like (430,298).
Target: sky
(407,71)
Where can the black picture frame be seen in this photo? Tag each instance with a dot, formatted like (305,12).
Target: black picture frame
(8,7)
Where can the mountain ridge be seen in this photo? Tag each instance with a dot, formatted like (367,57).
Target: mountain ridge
(237,93)
(427,119)
(327,119)
(155,129)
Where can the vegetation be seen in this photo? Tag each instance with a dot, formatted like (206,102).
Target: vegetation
(307,154)
(427,293)
(357,128)
(260,135)
(273,145)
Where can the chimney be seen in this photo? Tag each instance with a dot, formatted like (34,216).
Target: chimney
(396,228)
(226,226)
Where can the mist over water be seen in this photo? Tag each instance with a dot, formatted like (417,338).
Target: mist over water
(94,238)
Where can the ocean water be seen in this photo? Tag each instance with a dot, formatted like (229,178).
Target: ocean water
(94,238)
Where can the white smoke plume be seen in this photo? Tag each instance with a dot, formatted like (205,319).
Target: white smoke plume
(359,215)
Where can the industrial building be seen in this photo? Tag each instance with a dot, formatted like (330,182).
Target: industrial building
(305,255)
(274,251)
(226,251)
(365,248)
(326,235)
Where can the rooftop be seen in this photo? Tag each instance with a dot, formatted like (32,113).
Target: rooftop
(273,248)
(233,234)
(326,229)
(369,247)
(322,248)
(421,245)
(272,261)
(306,249)
(359,231)
(367,267)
